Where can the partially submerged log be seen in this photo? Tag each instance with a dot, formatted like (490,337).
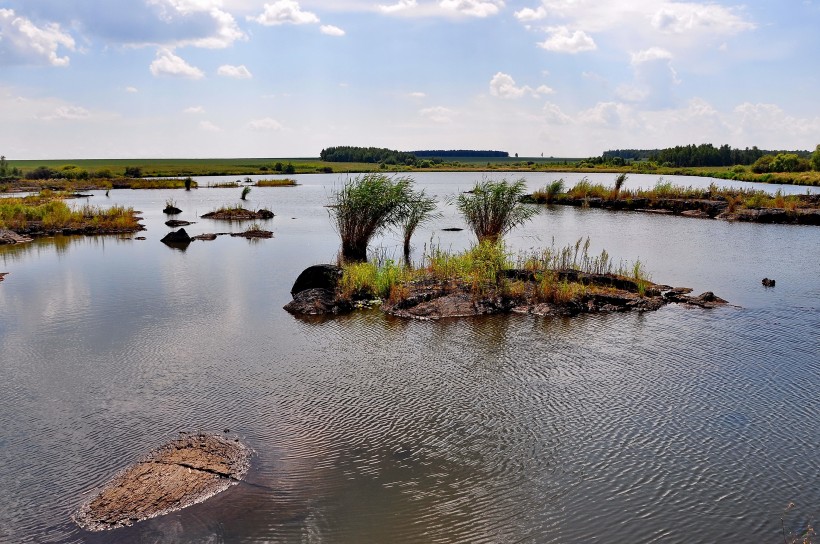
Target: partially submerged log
(174,476)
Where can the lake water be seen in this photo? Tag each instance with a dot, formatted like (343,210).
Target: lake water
(678,426)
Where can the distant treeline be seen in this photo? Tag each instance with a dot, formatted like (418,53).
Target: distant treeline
(366,154)
(693,155)
(459,153)
(391,156)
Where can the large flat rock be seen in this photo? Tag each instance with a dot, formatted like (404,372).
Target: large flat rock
(183,472)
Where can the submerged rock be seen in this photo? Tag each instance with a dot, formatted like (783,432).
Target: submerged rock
(768,283)
(3,275)
(172,477)
(171,210)
(178,223)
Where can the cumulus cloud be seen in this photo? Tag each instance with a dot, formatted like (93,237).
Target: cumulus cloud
(648,55)
(331,30)
(207,126)
(170,23)
(528,15)
(438,114)
(168,64)
(555,116)
(67,113)
(685,17)
(131,89)
(401,5)
(417,94)
(235,72)
(23,42)
(265,124)
(194,110)
(473,8)
(562,40)
(503,86)
(284,12)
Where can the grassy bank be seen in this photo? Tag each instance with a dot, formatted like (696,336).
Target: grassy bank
(488,270)
(734,198)
(48,214)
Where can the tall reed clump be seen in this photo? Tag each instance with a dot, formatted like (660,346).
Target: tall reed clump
(245,192)
(548,193)
(479,267)
(365,206)
(418,210)
(493,208)
(619,183)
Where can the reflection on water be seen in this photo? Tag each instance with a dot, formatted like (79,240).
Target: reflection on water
(681,425)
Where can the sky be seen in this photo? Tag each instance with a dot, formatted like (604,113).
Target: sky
(287,78)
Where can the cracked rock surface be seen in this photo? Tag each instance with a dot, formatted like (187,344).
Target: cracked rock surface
(186,471)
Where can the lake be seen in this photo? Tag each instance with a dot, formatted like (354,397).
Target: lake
(677,426)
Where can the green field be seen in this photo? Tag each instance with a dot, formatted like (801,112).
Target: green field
(115,168)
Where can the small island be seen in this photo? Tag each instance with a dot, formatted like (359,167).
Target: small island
(484,279)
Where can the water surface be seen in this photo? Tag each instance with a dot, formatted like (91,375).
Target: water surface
(681,425)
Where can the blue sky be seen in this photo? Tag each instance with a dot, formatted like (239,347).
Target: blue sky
(286,78)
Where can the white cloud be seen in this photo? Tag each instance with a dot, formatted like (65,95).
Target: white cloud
(438,114)
(684,17)
(331,30)
(67,113)
(284,11)
(528,15)
(503,86)
(207,126)
(200,23)
(647,55)
(168,64)
(401,5)
(562,40)
(235,72)
(473,8)
(23,42)
(554,116)
(194,110)
(417,94)
(131,89)
(265,124)
(604,114)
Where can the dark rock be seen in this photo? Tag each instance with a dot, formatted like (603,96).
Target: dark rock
(174,223)
(8,237)
(317,302)
(174,476)
(319,276)
(177,237)
(3,275)
(140,238)
(239,214)
(452,229)
(208,236)
(171,210)
(249,234)
(768,283)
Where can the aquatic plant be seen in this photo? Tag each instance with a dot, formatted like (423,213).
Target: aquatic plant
(619,183)
(419,210)
(493,208)
(245,191)
(286,182)
(365,206)
(548,193)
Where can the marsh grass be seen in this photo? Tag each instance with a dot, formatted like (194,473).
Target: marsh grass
(51,214)
(286,182)
(548,193)
(482,271)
